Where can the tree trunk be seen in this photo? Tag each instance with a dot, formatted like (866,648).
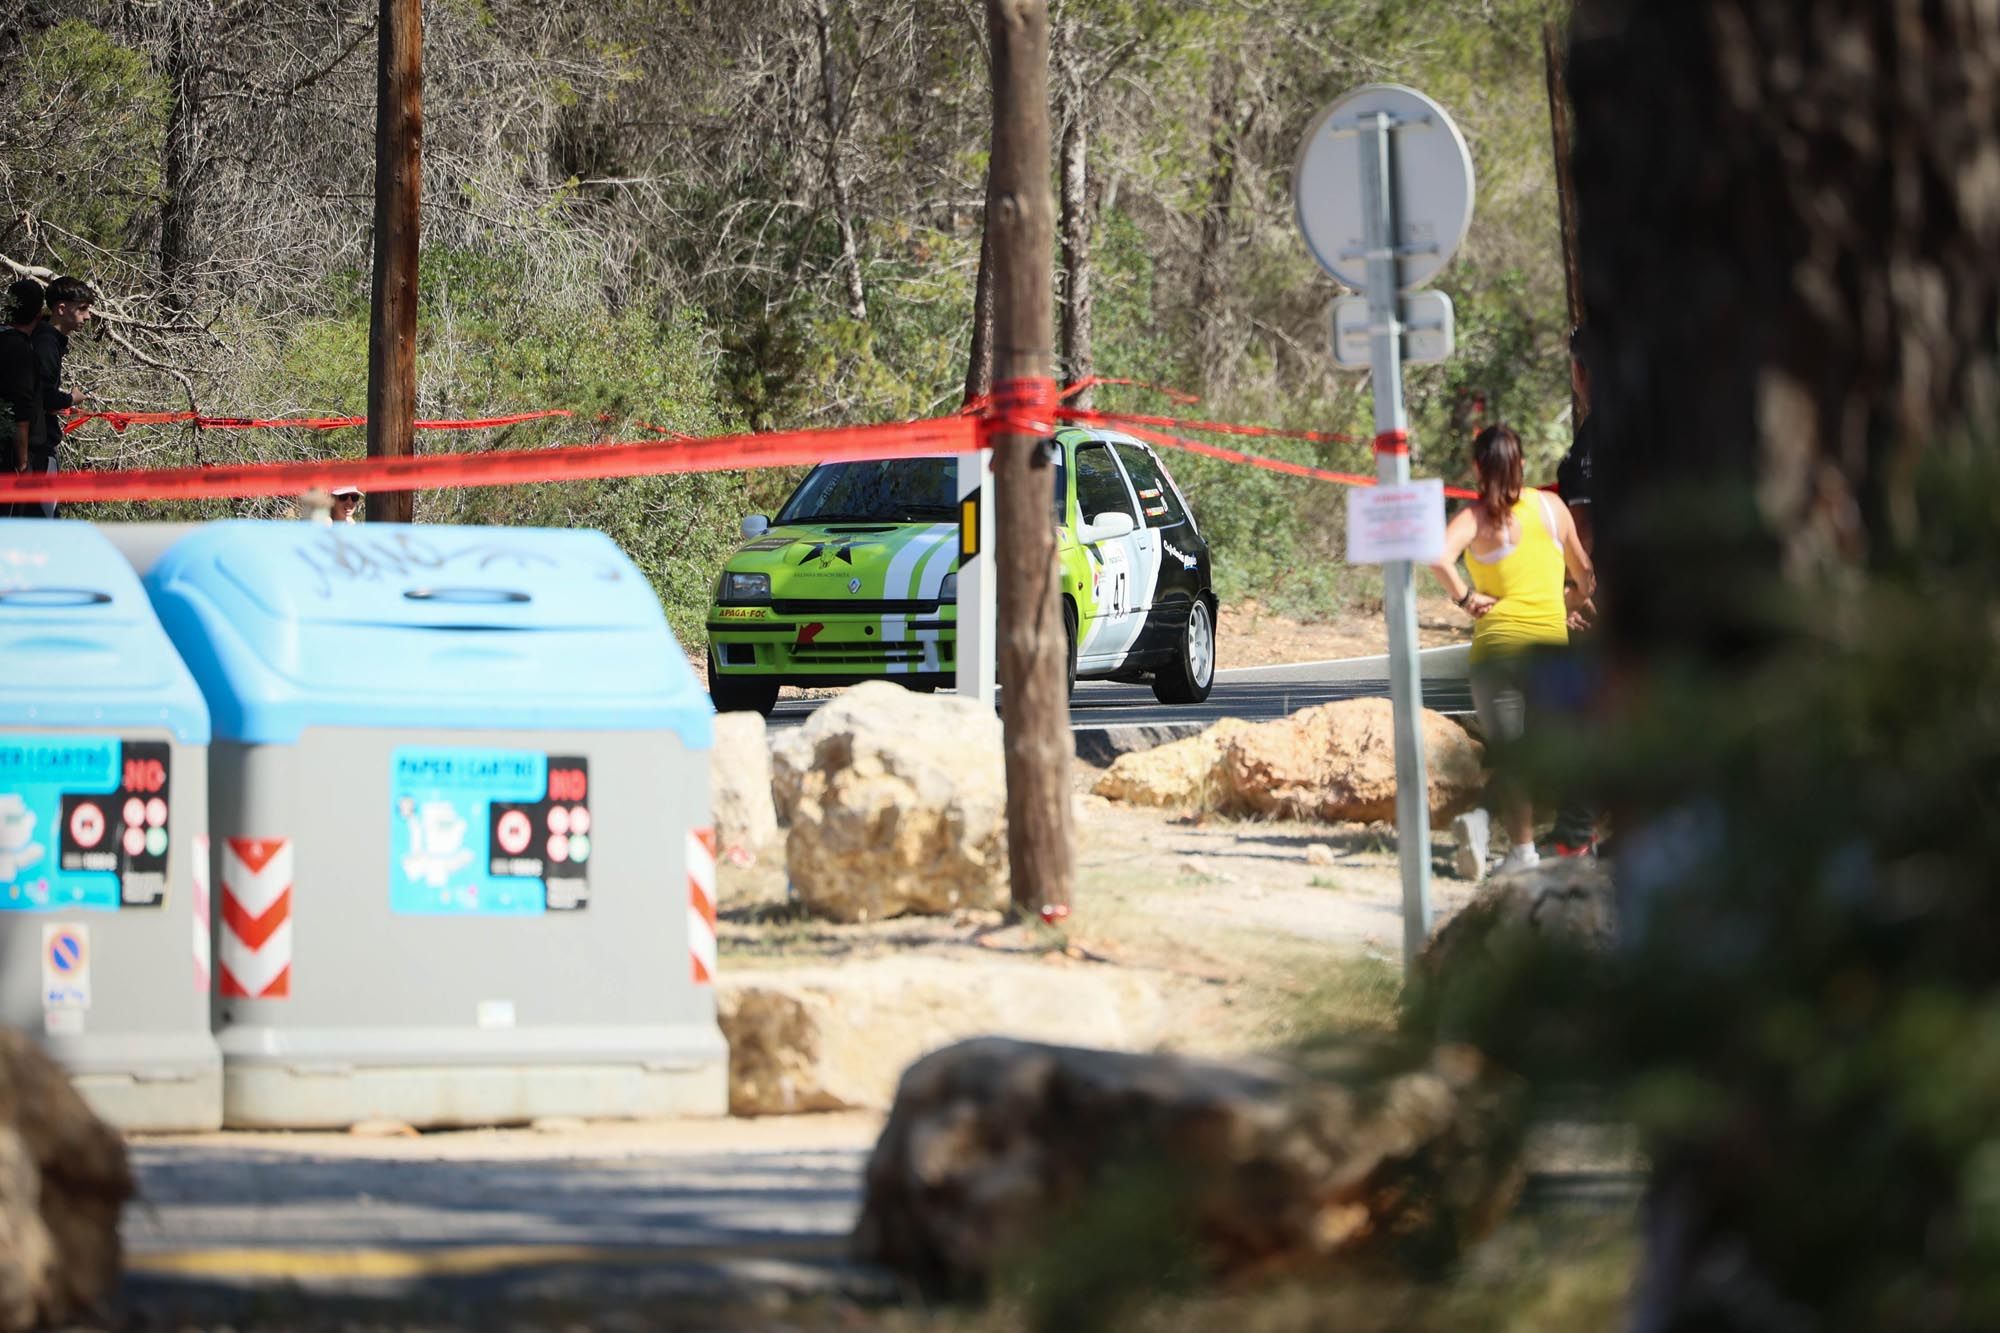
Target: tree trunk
(1210,275)
(180,161)
(831,111)
(1078,216)
(1775,203)
(979,356)
(1553,58)
(392,325)
(1033,640)
(1787,216)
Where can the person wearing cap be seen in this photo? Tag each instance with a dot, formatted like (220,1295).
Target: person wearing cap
(346,499)
(69,302)
(23,448)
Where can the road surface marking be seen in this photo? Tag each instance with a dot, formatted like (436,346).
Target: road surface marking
(460,1260)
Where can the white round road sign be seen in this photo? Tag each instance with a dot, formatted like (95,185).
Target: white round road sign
(1433,185)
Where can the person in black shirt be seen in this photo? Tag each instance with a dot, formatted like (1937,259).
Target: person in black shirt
(69,301)
(1573,683)
(21,388)
(1573,473)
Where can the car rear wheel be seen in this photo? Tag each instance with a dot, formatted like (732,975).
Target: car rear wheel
(1192,674)
(740,694)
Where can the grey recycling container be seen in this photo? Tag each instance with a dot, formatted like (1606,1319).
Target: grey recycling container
(460,809)
(105,941)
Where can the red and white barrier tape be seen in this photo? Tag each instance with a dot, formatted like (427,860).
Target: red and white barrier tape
(1026,406)
(1117,421)
(1267,464)
(1093,381)
(584,462)
(119,421)
(1029,406)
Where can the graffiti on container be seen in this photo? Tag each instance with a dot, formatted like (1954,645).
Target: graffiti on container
(335,556)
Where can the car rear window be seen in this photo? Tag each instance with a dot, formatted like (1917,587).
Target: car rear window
(1158,504)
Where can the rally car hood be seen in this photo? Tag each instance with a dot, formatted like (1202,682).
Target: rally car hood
(862,561)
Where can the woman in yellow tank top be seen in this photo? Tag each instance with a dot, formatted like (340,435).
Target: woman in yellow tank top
(1519,544)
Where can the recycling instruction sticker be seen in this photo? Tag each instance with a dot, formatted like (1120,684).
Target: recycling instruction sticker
(488,832)
(84,822)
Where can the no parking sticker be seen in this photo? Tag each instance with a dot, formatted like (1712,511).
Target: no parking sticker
(488,832)
(65,966)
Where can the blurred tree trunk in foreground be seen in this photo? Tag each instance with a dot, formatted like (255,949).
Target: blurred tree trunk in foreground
(1789,217)
(1790,213)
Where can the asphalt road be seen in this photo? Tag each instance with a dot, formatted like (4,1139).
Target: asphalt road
(1253,693)
(641,1217)
(718,1225)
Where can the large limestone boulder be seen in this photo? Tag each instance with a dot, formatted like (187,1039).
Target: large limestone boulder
(746,821)
(1180,775)
(1520,970)
(1275,1170)
(833,1039)
(901,808)
(1566,900)
(1337,762)
(791,760)
(63,1181)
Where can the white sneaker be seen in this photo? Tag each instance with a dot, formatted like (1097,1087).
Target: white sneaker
(1472,831)
(1521,858)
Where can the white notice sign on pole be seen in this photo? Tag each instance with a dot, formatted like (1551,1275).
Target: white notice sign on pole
(1402,522)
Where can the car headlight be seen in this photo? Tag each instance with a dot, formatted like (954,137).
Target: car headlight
(746,587)
(948,590)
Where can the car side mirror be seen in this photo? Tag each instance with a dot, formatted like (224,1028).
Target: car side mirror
(1107,527)
(755,525)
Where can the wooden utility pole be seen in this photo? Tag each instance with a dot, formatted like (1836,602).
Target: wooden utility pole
(392,320)
(1034,645)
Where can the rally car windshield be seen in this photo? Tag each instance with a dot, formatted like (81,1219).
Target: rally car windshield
(899,490)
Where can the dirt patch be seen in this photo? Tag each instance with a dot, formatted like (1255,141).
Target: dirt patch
(1249,943)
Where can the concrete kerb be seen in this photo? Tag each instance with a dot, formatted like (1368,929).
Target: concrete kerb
(1101,746)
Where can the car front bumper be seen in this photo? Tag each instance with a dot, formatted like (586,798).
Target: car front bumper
(807,646)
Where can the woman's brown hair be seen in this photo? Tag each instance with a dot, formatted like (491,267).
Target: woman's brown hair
(1496,454)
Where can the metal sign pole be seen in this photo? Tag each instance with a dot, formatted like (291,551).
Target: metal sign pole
(1392,467)
(977,662)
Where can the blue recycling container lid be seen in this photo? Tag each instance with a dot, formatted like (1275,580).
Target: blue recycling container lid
(290,625)
(80,647)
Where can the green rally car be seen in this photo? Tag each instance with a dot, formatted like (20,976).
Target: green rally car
(856,578)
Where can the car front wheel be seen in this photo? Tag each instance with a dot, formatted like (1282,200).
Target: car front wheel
(740,694)
(1192,674)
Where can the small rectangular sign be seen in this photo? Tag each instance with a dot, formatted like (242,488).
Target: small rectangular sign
(1428,330)
(1389,523)
(65,965)
(488,832)
(84,823)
